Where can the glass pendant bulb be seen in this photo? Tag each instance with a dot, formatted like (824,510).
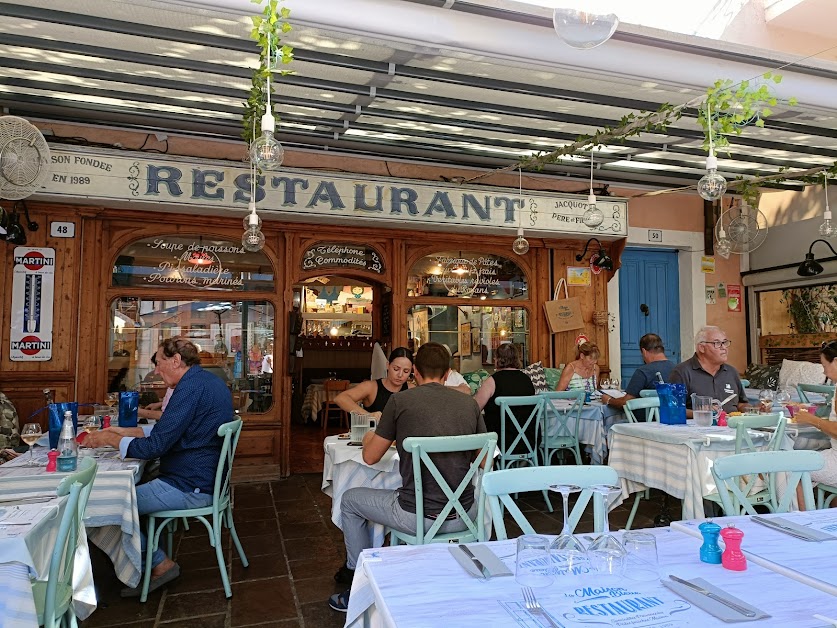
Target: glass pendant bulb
(252,220)
(826,228)
(521,244)
(266,152)
(583,29)
(723,247)
(593,217)
(253,240)
(712,185)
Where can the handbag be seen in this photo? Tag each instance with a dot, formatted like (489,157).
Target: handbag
(563,314)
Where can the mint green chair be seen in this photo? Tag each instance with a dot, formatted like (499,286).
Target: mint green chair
(651,405)
(735,475)
(516,432)
(822,491)
(557,432)
(745,383)
(648,393)
(500,485)
(220,511)
(825,390)
(54,596)
(422,449)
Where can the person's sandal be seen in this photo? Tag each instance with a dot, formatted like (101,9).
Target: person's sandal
(339,601)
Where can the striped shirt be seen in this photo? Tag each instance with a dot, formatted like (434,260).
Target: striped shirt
(186,438)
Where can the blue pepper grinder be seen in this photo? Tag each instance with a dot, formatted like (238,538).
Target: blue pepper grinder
(710,551)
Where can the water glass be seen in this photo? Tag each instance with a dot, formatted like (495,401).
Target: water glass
(533,565)
(640,556)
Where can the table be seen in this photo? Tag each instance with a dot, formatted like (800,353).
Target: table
(596,421)
(804,561)
(26,550)
(424,586)
(673,458)
(111,517)
(344,468)
(315,397)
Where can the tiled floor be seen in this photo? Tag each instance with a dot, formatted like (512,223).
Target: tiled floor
(294,549)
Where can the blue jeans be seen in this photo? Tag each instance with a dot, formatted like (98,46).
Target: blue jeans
(159,495)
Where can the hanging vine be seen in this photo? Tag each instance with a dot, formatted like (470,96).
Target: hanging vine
(268,29)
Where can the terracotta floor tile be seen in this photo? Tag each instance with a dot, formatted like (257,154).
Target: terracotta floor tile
(212,621)
(253,514)
(317,589)
(320,615)
(303,530)
(267,566)
(192,580)
(255,601)
(315,567)
(261,527)
(297,549)
(186,605)
(261,545)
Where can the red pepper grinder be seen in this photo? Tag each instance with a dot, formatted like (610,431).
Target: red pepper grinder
(52,464)
(733,558)
(105,422)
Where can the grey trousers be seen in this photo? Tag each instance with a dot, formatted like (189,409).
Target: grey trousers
(361,507)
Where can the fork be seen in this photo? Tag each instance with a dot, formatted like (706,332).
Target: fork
(534,607)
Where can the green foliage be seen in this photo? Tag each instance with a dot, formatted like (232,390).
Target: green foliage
(268,28)
(812,309)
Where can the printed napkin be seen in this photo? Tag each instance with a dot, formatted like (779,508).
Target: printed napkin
(714,607)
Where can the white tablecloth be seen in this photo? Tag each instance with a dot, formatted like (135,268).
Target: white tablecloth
(673,458)
(424,586)
(811,563)
(596,421)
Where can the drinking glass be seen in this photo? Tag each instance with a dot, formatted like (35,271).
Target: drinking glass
(606,554)
(605,383)
(112,399)
(783,398)
(614,383)
(766,401)
(532,566)
(640,556)
(566,547)
(30,434)
(92,423)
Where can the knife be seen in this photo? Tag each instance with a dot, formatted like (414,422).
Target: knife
(466,550)
(699,589)
(783,528)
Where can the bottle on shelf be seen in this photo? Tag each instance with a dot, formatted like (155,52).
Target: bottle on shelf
(67,446)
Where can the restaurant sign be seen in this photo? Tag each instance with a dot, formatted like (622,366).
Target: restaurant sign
(313,196)
(335,255)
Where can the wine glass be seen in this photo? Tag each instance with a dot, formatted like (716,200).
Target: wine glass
(112,399)
(766,397)
(30,434)
(606,554)
(92,423)
(605,383)
(614,383)
(566,547)
(783,398)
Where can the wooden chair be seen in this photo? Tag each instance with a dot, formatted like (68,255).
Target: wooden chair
(334,387)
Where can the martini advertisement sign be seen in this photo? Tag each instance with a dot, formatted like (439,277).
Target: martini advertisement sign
(33,291)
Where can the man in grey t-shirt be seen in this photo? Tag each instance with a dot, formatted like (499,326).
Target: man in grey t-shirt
(430,409)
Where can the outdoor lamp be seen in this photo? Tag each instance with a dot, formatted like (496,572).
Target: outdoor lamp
(811,267)
(600,259)
(581,28)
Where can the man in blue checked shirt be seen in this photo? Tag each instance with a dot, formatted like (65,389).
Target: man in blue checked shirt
(185,440)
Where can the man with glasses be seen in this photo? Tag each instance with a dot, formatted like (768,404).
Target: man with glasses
(655,361)
(707,373)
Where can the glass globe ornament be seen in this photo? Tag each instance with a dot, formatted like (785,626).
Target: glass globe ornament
(265,151)
(723,246)
(253,240)
(583,29)
(593,217)
(521,244)
(711,186)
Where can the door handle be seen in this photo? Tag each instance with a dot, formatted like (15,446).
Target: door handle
(644,309)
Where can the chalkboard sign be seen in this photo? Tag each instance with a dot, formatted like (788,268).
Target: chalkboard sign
(333,255)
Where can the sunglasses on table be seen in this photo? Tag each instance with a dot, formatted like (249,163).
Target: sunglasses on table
(718,344)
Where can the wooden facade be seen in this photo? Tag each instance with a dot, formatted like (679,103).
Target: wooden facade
(84,292)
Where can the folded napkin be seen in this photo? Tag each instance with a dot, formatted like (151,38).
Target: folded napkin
(713,607)
(812,533)
(493,565)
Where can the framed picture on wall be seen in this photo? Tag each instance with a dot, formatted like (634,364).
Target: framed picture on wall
(476,349)
(465,339)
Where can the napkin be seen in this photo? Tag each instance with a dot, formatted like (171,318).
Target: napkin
(493,565)
(813,533)
(713,607)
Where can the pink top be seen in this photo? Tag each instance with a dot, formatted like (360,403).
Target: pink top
(166,398)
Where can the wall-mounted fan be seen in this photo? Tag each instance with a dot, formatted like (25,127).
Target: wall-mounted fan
(24,158)
(740,229)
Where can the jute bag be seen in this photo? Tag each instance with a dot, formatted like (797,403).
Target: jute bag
(563,314)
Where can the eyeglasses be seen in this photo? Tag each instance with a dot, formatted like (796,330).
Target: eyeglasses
(718,344)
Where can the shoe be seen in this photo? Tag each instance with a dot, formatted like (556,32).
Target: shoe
(155,583)
(344,575)
(339,601)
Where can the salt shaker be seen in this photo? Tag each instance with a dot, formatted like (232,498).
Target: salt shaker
(52,464)
(733,558)
(710,551)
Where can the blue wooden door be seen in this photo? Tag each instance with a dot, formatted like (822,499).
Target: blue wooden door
(649,302)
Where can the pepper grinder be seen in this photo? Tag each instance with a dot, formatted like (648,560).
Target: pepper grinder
(710,551)
(733,558)
(52,464)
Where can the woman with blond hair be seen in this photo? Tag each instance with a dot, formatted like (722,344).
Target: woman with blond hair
(583,372)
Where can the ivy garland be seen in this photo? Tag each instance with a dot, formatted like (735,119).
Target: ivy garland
(267,32)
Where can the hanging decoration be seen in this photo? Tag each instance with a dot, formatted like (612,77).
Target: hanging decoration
(579,27)
(711,186)
(593,217)
(827,230)
(521,244)
(253,238)
(266,152)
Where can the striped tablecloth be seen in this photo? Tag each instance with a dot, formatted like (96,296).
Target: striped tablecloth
(596,421)
(111,517)
(315,397)
(344,468)
(673,458)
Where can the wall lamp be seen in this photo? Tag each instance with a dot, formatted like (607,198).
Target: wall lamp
(602,259)
(811,267)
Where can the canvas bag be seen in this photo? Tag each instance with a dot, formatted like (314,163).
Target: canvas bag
(563,314)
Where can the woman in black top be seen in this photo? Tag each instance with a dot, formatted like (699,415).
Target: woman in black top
(375,394)
(507,381)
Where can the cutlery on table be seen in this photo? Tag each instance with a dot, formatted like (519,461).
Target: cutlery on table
(35,499)
(779,527)
(477,563)
(713,596)
(534,607)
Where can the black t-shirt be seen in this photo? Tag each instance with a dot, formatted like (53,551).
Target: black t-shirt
(511,383)
(382,396)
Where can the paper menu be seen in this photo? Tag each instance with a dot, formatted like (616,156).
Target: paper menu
(18,520)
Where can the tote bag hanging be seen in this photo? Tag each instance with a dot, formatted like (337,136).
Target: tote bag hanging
(563,314)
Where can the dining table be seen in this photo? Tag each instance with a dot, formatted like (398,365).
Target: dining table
(418,586)
(596,421)
(676,459)
(315,397)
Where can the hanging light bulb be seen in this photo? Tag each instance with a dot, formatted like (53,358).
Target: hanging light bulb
(711,186)
(253,239)
(593,217)
(827,229)
(583,29)
(266,152)
(521,244)
(724,246)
